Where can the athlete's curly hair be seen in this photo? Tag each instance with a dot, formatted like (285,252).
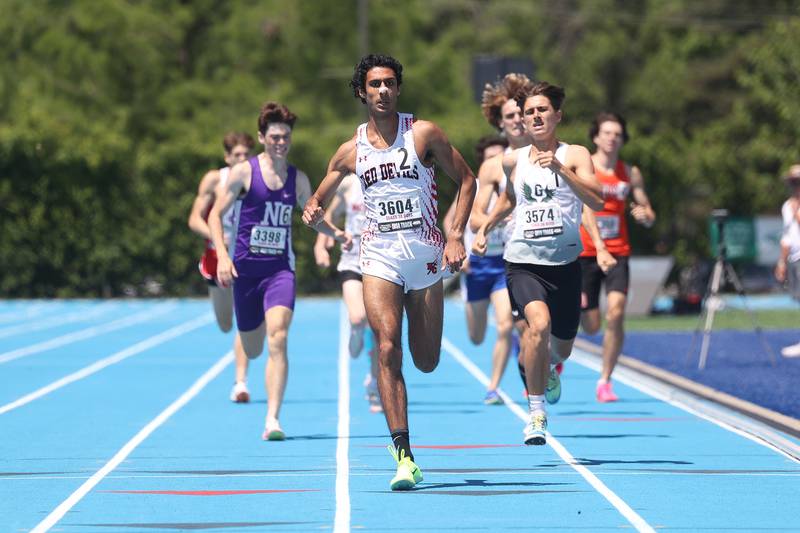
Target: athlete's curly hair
(235,138)
(494,96)
(607,116)
(554,93)
(273,112)
(359,81)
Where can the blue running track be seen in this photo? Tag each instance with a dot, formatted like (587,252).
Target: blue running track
(115,417)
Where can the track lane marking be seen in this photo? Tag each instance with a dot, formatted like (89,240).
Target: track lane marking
(58,513)
(630,515)
(108,361)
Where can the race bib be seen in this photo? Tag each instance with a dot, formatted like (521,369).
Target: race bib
(608,226)
(542,220)
(401,212)
(495,241)
(267,240)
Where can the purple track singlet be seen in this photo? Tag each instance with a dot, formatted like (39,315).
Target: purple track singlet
(264,225)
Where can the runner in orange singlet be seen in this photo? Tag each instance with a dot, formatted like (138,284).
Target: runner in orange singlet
(619,180)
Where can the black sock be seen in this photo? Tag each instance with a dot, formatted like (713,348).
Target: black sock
(401,443)
(522,374)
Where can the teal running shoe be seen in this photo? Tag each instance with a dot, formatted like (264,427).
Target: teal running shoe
(552,393)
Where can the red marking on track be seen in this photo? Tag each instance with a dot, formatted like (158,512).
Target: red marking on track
(623,419)
(455,446)
(207,492)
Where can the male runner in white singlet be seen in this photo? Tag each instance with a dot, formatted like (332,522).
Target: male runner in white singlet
(237,148)
(548,184)
(349,199)
(402,250)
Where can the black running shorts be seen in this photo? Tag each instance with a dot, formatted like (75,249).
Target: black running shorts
(617,279)
(558,286)
(347,275)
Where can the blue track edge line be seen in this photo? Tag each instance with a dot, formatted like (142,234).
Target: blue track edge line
(768,427)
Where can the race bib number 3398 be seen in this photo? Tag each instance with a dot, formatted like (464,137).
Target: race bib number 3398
(267,240)
(399,213)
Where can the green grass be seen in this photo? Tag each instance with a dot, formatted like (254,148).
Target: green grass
(727,319)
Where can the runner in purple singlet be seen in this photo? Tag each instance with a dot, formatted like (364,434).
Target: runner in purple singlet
(262,268)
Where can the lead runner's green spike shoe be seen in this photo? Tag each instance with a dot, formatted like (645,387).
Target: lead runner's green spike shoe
(408,473)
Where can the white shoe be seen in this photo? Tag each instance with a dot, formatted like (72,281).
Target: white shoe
(536,430)
(791,351)
(239,392)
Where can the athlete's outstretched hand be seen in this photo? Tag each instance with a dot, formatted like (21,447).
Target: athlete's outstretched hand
(605,261)
(454,255)
(479,244)
(641,215)
(312,212)
(345,239)
(226,272)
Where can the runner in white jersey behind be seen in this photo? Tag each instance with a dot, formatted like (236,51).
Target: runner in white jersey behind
(402,251)
(350,200)
(548,184)
(237,148)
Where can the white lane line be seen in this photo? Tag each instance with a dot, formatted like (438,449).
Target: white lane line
(630,515)
(341,521)
(28,310)
(76,316)
(110,360)
(65,506)
(729,420)
(84,334)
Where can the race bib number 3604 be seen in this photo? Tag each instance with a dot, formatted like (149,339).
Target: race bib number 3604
(399,213)
(542,220)
(267,240)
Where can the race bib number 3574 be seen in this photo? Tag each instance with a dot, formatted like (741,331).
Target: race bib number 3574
(267,240)
(542,220)
(399,213)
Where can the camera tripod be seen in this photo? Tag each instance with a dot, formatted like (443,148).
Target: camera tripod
(721,273)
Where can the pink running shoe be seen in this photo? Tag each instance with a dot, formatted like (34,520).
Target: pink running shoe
(605,393)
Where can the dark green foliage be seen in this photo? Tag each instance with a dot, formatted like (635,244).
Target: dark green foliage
(112,110)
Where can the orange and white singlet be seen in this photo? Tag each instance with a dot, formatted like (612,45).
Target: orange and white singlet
(611,219)
(400,241)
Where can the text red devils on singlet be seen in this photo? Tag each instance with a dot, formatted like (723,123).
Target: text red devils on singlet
(611,219)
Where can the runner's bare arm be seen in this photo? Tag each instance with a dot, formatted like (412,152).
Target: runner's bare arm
(490,176)
(324,225)
(578,171)
(202,204)
(641,210)
(341,164)
(325,242)
(506,203)
(605,260)
(437,148)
